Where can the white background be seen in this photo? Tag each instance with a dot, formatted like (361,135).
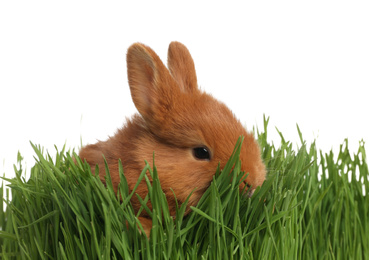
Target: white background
(63,72)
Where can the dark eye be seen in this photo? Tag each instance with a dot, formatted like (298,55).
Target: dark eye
(201,153)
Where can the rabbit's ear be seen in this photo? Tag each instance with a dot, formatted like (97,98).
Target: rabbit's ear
(153,89)
(182,67)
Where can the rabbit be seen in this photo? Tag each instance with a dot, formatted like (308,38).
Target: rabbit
(189,130)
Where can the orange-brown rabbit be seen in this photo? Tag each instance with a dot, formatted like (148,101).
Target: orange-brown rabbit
(189,130)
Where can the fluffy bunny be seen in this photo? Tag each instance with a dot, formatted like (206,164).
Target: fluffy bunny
(189,130)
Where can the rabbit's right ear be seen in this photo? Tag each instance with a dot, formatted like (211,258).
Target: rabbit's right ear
(182,67)
(152,87)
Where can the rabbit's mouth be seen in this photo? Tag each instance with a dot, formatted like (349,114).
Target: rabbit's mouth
(248,191)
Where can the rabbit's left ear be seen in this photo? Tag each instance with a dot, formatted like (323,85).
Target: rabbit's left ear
(182,67)
(153,90)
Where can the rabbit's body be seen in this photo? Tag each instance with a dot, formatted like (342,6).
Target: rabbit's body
(189,130)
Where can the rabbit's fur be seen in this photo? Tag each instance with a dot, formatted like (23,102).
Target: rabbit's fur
(175,117)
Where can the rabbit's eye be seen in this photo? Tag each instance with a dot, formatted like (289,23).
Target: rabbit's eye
(201,153)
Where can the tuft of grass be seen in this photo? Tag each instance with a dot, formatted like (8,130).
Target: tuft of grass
(310,207)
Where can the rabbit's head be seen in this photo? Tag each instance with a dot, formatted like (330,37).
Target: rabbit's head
(190,131)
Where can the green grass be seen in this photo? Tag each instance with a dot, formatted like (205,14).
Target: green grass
(65,212)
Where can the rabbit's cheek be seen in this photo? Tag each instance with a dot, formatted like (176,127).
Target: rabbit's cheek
(184,177)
